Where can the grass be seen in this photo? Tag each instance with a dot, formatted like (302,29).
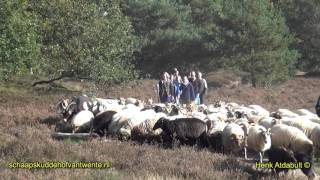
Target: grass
(28,117)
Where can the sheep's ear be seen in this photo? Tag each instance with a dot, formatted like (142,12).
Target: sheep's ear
(274,121)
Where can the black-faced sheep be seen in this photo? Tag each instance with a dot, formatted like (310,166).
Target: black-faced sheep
(284,155)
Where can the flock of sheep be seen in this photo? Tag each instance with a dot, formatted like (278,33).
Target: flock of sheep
(284,135)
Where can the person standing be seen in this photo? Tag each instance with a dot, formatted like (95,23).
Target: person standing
(187,92)
(177,83)
(164,88)
(201,87)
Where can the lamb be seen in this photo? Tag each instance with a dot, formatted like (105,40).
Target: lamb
(259,139)
(283,155)
(288,136)
(187,130)
(101,122)
(81,121)
(233,138)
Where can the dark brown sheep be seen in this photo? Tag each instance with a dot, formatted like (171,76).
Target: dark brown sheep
(101,122)
(188,131)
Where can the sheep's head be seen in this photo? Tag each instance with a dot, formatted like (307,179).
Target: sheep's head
(174,110)
(275,115)
(236,139)
(62,105)
(159,124)
(122,101)
(264,134)
(124,132)
(69,111)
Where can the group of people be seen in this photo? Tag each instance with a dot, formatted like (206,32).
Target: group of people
(175,89)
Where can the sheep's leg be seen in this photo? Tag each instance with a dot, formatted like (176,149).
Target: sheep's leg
(261,157)
(245,153)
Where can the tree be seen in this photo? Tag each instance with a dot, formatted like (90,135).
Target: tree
(257,41)
(85,39)
(19,49)
(303,18)
(245,35)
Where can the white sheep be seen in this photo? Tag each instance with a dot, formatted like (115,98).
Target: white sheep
(216,126)
(146,126)
(305,112)
(310,129)
(81,119)
(292,138)
(286,113)
(259,139)
(233,138)
(146,118)
(260,110)
(268,122)
(119,119)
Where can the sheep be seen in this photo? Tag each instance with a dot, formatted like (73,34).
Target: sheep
(310,129)
(135,120)
(288,136)
(286,113)
(280,155)
(214,136)
(268,122)
(144,131)
(81,121)
(101,122)
(260,110)
(305,112)
(259,139)
(146,126)
(233,138)
(119,119)
(62,105)
(283,155)
(83,102)
(77,104)
(186,130)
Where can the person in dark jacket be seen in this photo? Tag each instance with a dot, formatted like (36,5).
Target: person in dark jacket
(318,107)
(187,92)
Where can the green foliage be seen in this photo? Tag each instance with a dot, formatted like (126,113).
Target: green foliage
(19,50)
(247,35)
(303,18)
(165,31)
(86,39)
(257,41)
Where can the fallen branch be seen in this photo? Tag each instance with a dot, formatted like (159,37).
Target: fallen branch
(50,80)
